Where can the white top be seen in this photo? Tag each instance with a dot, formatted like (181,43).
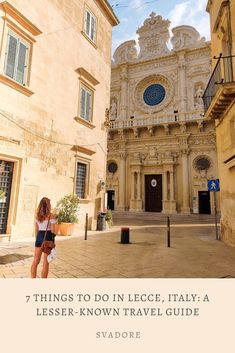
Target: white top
(43,225)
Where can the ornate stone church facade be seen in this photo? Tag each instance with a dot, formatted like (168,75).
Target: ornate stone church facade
(161,151)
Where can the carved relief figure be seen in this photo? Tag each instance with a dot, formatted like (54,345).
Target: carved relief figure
(198,101)
(113,110)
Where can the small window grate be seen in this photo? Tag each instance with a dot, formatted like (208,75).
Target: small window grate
(81,180)
(6,172)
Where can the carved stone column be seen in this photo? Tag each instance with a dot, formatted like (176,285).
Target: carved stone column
(168,205)
(164,186)
(139,201)
(164,195)
(182,84)
(124,93)
(132,186)
(185,182)
(172,188)
(138,186)
(172,193)
(122,183)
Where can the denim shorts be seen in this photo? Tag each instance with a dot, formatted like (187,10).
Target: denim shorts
(40,237)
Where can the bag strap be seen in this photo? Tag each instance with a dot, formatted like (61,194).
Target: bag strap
(47,228)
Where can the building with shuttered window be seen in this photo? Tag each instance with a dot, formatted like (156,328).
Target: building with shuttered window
(54,91)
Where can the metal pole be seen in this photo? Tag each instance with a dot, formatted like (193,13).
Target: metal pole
(86,226)
(216,226)
(168,233)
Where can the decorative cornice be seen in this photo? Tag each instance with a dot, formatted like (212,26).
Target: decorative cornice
(164,58)
(108,11)
(84,74)
(84,150)
(21,19)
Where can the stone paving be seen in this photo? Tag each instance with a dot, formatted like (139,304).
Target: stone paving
(194,252)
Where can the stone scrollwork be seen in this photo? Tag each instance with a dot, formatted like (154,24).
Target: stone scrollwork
(153,37)
(167,129)
(152,152)
(136,132)
(122,154)
(151,130)
(184,145)
(121,133)
(183,128)
(186,37)
(126,52)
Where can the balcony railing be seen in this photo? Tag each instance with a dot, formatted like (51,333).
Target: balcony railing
(156,120)
(223,73)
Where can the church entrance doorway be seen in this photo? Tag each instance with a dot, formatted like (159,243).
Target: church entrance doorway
(6,173)
(153,193)
(204,202)
(111,198)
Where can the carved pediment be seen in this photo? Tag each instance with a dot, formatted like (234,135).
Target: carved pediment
(186,37)
(126,52)
(153,36)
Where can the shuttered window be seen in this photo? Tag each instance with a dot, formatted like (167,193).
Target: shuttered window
(90,25)
(81,180)
(85,103)
(16,58)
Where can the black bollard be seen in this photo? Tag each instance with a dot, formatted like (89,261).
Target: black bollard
(86,226)
(125,235)
(168,233)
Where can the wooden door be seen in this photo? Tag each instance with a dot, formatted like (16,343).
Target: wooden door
(153,193)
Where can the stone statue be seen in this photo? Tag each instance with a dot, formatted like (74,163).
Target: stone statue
(198,101)
(113,110)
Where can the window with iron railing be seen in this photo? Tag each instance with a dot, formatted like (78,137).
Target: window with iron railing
(223,73)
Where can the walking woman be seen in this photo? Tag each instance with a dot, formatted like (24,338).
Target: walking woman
(45,221)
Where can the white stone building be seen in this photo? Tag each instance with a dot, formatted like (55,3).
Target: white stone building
(161,151)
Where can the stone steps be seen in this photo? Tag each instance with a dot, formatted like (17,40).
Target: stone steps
(159,218)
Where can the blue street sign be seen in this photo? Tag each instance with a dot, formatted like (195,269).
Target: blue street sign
(213,185)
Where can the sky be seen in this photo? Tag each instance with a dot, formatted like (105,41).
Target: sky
(132,13)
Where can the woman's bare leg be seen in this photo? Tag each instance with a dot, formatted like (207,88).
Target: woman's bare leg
(45,267)
(36,260)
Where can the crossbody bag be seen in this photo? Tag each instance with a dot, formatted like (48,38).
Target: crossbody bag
(47,245)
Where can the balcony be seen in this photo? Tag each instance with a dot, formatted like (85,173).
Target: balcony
(156,120)
(220,91)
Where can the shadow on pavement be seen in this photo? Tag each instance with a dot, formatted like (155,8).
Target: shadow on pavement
(7,259)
